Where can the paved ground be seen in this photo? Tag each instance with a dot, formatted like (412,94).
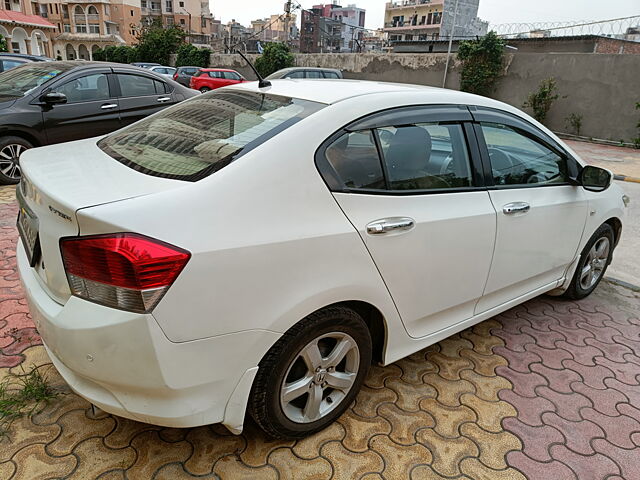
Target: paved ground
(548,390)
(620,160)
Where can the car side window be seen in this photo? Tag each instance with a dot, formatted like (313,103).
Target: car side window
(518,159)
(297,74)
(8,64)
(330,75)
(216,75)
(86,89)
(314,74)
(189,71)
(231,76)
(161,87)
(136,85)
(354,157)
(426,156)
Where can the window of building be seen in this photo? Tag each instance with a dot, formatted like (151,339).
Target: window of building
(430,18)
(57,11)
(182,22)
(131,12)
(94,28)
(170,21)
(143,3)
(517,159)
(66,28)
(181,4)
(169,5)
(203,22)
(7,4)
(81,28)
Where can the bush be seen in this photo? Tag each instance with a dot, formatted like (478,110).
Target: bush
(189,55)
(542,100)
(119,54)
(156,43)
(3,44)
(481,63)
(574,121)
(276,56)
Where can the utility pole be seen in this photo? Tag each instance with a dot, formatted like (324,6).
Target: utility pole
(287,18)
(453,29)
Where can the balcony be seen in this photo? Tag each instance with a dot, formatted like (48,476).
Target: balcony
(413,4)
(90,37)
(405,26)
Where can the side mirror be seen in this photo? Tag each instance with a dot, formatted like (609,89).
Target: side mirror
(53,98)
(595,179)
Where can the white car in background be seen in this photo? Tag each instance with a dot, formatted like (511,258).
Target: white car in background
(162,70)
(255,249)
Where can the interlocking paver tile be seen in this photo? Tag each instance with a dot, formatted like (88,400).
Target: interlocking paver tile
(578,435)
(627,460)
(525,384)
(208,447)
(359,430)
(449,391)
(522,362)
(529,410)
(403,460)
(568,406)
(94,458)
(486,388)
(586,467)
(473,468)
(485,364)
(309,448)
(409,394)
(573,335)
(447,452)
(230,467)
(536,439)
(347,464)
(493,446)
(447,419)
(489,414)
(550,358)
(592,376)
(558,380)
(450,367)
(71,425)
(544,339)
(604,334)
(153,453)
(604,401)
(404,424)
(625,372)
(584,355)
(618,429)
(540,470)
(289,466)
(33,463)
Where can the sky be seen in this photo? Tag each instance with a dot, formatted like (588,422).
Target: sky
(495,11)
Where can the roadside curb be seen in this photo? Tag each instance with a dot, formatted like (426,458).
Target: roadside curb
(624,178)
(622,283)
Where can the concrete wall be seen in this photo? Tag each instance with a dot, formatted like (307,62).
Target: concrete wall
(603,88)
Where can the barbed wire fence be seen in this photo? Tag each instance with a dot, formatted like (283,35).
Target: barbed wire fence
(610,28)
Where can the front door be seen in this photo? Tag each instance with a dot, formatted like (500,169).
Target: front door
(411,188)
(541,212)
(90,111)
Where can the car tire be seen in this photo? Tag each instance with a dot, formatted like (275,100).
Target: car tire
(337,342)
(205,90)
(10,150)
(594,260)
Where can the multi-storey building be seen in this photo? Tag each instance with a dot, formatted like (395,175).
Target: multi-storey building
(351,19)
(411,20)
(273,29)
(319,33)
(76,28)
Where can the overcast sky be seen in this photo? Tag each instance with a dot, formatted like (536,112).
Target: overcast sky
(495,11)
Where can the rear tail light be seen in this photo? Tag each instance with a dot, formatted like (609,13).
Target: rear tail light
(123,270)
(175,76)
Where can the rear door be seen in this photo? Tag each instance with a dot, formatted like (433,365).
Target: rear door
(141,95)
(91,109)
(541,211)
(410,183)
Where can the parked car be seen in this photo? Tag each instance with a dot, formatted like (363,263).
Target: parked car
(51,102)
(306,72)
(183,75)
(254,249)
(207,79)
(164,71)
(12,60)
(146,65)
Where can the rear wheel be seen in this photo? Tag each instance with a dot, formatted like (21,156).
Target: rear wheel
(312,374)
(594,260)
(205,89)
(10,150)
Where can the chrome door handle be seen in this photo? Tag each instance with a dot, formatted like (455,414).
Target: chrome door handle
(164,99)
(516,207)
(109,106)
(389,225)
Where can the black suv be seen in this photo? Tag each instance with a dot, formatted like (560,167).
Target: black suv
(51,102)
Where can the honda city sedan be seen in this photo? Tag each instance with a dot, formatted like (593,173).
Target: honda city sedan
(256,249)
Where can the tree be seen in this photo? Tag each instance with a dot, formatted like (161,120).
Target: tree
(156,43)
(542,100)
(276,56)
(481,63)
(3,44)
(189,55)
(119,54)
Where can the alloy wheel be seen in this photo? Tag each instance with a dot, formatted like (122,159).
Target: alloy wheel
(10,160)
(320,377)
(595,263)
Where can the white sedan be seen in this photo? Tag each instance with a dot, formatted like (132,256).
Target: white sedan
(256,249)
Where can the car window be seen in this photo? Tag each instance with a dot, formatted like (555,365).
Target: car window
(21,81)
(425,156)
(330,75)
(216,74)
(86,89)
(518,159)
(7,64)
(354,157)
(297,74)
(189,71)
(197,138)
(314,74)
(136,85)
(231,76)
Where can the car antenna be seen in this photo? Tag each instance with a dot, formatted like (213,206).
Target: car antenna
(262,83)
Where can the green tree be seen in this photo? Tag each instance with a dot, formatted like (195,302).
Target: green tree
(156,43)
(542,100)
(481,63)
(119,54)
(275,57)
(189,55)
(3,44)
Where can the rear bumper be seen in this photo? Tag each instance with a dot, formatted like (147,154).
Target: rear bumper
(123,363)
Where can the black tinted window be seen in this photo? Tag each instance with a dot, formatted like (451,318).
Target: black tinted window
(314,74)
(425,156)
(330,75)
(86,89)
(354,158)
(136,85)
(231,76)
(518,159)
(298,74)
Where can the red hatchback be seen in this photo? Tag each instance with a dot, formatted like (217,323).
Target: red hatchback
(211,78)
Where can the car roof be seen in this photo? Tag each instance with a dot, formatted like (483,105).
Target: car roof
(217,70)
(35,58)
(317,69)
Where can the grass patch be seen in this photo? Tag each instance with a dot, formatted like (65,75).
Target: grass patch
(21,395)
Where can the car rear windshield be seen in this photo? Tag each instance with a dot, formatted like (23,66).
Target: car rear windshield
(20,81)
(198,137)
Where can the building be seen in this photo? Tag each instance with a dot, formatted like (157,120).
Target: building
(273,29)
(319,33)
(410,20)
(76,28)
(352,24)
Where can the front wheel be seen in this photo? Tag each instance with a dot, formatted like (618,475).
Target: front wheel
(594,260)
(312,374)
(10,150)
